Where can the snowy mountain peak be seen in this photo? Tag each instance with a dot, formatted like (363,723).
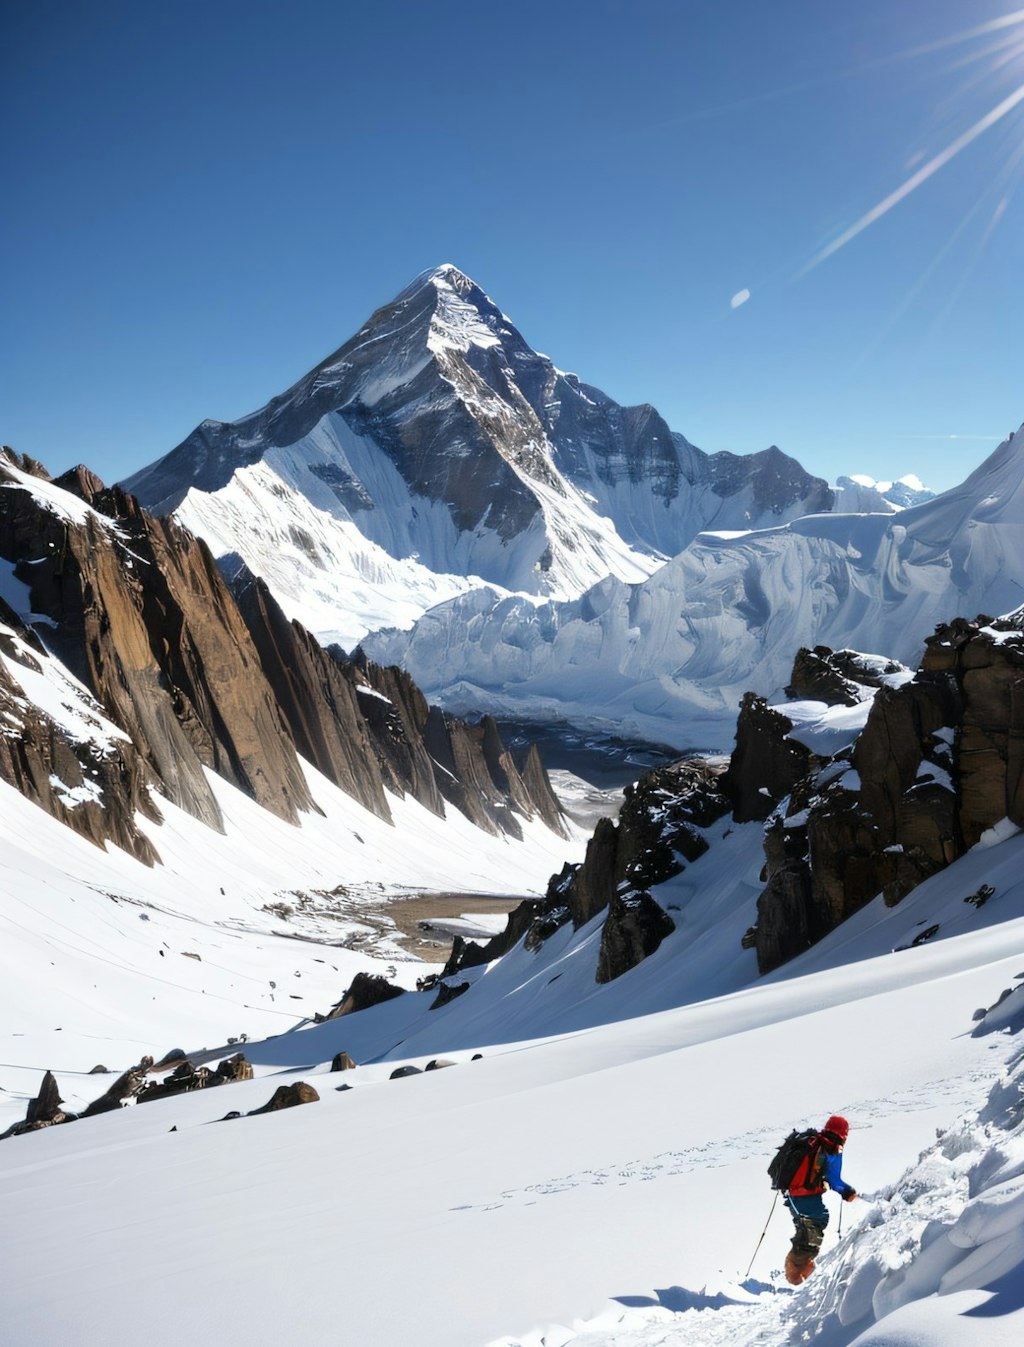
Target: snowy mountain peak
(437,441)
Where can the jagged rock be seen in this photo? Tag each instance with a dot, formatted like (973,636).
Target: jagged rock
(45,1110)
(366,989)
(142,616)
(837,677)
(467,954)
(660,828)
(940,759)
(448,991)
(985,658)
(95,787)
(193,679)
(287,1096)
(99,1071)
(172,1055)
(815,677)
(129,1084)
(439,1064)
(470,954)
(633,930)
(342,1062)
(234,1068)
(765,764)
(319,703)
(182,1080)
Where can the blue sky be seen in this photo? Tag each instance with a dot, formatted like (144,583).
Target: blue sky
(201,201)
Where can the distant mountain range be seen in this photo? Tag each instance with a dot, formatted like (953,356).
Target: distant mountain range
(443,495)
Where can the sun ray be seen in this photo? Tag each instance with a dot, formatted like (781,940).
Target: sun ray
(940,160)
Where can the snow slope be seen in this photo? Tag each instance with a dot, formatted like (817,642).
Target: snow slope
(98,951)
(669,659)
(612,1141)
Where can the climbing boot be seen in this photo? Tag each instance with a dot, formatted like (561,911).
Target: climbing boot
(799,1266)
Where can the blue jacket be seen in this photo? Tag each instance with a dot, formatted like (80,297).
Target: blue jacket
(832,1171)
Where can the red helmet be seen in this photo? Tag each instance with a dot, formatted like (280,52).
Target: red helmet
(838,1127)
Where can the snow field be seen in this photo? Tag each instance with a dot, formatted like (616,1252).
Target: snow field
(96,949)
(532,1194)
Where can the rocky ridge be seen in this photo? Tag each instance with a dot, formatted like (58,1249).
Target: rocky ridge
(162,674)
(937,763)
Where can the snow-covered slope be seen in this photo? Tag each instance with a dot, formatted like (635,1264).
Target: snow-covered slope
(669,659)
(246,931)
(604,1182)
(436,450)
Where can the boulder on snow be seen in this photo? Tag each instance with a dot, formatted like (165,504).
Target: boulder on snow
(366,989)
(341,1061)
(448,991)
(634,928)
(402,1071)
(129,1084)
(287,1096)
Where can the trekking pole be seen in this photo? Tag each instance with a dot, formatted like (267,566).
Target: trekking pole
(764,1231)
(839,1232)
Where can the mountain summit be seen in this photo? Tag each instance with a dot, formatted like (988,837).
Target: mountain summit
(435,450)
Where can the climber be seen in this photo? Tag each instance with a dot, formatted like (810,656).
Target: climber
(821,1166)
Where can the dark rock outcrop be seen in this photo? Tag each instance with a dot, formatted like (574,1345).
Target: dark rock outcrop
(287,1096)
(185,1078)
(129,1084)
(365,990)
(191,677)
(765,764)
(939,761)
(43,1111)
(448,991)
(341,1061)
(837,677)
(633,929)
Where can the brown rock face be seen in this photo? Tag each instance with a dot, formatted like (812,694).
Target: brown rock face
(836,677)
(142,616)
(940,760)
(319,704)
(985,661)
(96,786)
(765,765)
(137,609)
(287,1096)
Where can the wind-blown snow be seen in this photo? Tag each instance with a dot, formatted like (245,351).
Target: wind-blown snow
(669,659)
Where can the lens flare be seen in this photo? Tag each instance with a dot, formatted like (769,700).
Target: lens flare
(922,175)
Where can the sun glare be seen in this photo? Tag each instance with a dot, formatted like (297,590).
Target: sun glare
(1001,74)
